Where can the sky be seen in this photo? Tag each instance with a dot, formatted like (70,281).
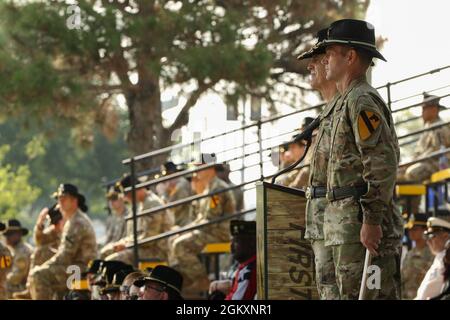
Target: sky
(417,41)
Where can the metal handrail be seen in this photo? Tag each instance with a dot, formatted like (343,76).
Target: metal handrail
(416,76)
(421,159)
(430,128)
(190,228)
(179,146)
(420,94)
(415,105)
(408,142)
(202,196)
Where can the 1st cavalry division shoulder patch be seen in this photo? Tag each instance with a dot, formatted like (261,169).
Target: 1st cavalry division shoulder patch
(368,122)
(215,201)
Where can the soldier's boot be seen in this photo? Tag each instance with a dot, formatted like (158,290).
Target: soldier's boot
(23,295)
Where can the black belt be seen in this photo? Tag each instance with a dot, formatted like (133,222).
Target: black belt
(346,192)
(315,192)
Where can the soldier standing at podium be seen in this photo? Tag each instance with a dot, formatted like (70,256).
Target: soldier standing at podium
(364,155)
(316,191)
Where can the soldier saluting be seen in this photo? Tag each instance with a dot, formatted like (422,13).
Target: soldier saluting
(78,246)
(361,173)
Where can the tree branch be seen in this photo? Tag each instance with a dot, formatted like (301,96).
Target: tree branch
(182,117)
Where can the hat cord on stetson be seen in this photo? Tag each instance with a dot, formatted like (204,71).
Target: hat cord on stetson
(351,42)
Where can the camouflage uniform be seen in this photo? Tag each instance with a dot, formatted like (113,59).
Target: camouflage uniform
(148,226)
(363,154)
(47,242)
(315,207)
(115,227)
(429,142)
(5,267)
(78,246)
(238,197)
(187,246)
(301,179)
(415,266)
(116,231)
(289,177)
(17,278)
(182,214)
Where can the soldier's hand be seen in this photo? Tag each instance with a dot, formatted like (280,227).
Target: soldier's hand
(370,237)
(42,216)
(220,285)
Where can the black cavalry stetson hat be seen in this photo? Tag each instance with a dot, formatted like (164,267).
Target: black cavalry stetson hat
(354,33)
(316,49)
(164,275)
(242,227)
(70,189)
(11,226)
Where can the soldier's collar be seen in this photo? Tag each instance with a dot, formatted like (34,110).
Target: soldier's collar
(352,85)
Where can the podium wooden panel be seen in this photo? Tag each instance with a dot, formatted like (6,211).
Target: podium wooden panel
(285,260)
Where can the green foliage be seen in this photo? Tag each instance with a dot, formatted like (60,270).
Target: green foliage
(45,161)
(49,69)
(16,192)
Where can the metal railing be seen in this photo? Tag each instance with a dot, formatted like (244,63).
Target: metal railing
(259,144)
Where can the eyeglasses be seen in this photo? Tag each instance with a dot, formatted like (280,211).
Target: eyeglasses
(154,288)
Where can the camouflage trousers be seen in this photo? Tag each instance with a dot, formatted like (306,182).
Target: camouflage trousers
(48,282)
(15,288)
(325,274)
(349,264)
(420,171)
(149,252)
(184,253)
(40,255)
(126,256)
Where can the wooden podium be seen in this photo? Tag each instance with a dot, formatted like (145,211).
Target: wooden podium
(285,260)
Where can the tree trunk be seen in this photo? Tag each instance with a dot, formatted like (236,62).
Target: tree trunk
(146,130)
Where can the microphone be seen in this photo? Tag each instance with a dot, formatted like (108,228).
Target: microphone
(307,132)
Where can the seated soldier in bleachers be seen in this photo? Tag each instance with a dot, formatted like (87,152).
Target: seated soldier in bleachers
(429,142)
(223,173)
(298,178)
(294,151)
(116,228)
(148,226)
(242,285)
(186,247)
(174,190)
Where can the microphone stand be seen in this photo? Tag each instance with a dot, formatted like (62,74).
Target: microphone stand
(296,163)
(306,134)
